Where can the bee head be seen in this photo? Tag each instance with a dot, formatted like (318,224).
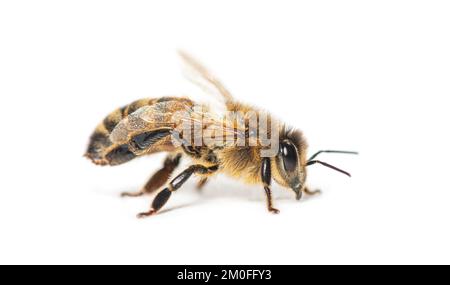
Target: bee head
(290,162)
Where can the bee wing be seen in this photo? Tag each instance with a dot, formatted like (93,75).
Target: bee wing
(159,115)
(212,130)
(199,75)
(194,122)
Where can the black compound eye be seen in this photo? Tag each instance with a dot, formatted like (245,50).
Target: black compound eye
(289,155)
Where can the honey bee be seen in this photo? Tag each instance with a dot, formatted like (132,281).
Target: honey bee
(239,146)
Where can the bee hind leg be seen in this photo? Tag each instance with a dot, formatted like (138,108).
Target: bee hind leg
(158,179)
(163,196)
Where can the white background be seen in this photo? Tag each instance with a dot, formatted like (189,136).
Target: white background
(371,76)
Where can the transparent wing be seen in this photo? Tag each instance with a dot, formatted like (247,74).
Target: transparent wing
(210,129)
(199,75)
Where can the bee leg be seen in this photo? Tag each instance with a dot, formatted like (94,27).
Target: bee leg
(132,194)
(266,177)
(311,192)
(158,179)
(269,201)
(201,183)
(163,196)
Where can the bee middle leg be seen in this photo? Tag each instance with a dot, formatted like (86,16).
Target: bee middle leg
(159,178)
(201,183)
(163,196)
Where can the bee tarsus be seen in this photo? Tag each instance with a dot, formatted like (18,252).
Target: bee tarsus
(309,192)
(201,183)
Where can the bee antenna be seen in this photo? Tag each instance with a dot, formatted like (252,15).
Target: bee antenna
(311,162)
(331,151)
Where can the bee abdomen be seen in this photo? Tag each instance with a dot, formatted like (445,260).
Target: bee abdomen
(145,140)
(119,155)
(102,151)
(100,140)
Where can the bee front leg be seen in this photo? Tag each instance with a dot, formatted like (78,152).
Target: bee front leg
(163,196)
(307,191)
(158,179)
(266,177)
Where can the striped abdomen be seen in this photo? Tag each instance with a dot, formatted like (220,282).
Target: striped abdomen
(141,127)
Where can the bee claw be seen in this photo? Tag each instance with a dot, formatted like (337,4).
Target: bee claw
(132,194)
(274,211)
(146,214)
(312,192)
